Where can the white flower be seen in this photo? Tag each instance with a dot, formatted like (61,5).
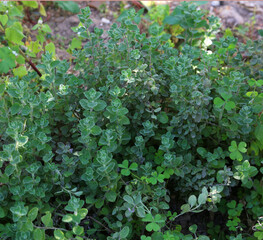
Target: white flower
(207,41)
(15,53)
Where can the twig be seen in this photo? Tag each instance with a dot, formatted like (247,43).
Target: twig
(109,230)
(52,228)
(30,63)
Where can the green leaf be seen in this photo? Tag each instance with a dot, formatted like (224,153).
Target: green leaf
(220,176)
(83,212)
(2,213)
(202,198)
(75,43)
(7,60)
(185,208)
(15,12)
(9,170)
(78,230)
(125,172)
(226,95)
(16,107)
(235,154)
(2,88)
(125,164)
(242,147)
(46,28)
(218,102)
(42,10)
(124,232)
(172,20)
(99,203)
(20,71)
(20,59)
(100,106)
(58,234)
(31,4)
(96,130)
(140,211)
(228,33)
(202,152)
(32,214)
(162,117)
(51,48)
(158,218)
(21,140)
(111,196)
(134,166)
(152,227)
(230,105)
(69,6)
(84,103)
(259,235)
(232,204)
(192,200)
(128,199)
(3,19)
(148,218)
(259,133)
(203,237)
(15,33)
(39,234)
(67,218)
(193,228)
(143,237)
(48,222)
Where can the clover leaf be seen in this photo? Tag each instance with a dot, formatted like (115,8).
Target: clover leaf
(236,150)
(228,105)
(155,222)
(126,171)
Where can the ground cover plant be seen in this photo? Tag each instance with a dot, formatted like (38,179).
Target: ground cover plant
(137,136)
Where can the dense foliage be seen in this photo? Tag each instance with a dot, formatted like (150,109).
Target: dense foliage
(137,135)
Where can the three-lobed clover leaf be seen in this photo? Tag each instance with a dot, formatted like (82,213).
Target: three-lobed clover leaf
(236,150)
(126,171)
(228,105)
(156,177)
(155,222)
